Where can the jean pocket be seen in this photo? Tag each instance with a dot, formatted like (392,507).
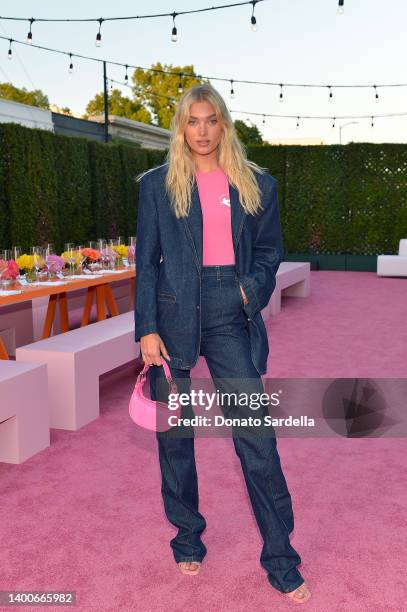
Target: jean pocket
(240,293)
(166,297)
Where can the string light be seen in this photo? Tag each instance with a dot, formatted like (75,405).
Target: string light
(330,93)
(174,29)
(253,18)
(172,101)
(212,78)
(376,94)
(126,76)
(180,88)
(10,51)
(281,93)
(98,41)
(70,69)
(232,93)
(30,34)
(372,117)
(340,9)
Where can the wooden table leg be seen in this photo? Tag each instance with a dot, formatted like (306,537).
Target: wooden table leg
(63,311)
(100,302)
(88,306)
(3,352)
(49,319)
(110,301)
(132,288)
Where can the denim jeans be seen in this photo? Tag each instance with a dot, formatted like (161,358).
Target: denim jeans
(226,348)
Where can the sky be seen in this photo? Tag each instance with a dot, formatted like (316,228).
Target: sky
(297,41)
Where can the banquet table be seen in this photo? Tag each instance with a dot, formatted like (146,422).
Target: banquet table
(98,287)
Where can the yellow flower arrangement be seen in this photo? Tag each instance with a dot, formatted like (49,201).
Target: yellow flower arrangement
(121,250)
(75,255)
(25,262)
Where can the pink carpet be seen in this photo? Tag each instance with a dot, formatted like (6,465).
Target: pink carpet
(86,514)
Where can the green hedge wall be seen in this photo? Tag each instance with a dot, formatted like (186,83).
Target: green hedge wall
(338,199)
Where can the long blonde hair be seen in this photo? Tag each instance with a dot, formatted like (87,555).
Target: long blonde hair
(232,156)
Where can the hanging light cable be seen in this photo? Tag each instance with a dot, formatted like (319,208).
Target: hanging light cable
(253,18)
(98,40)
(174,37)
(30,34)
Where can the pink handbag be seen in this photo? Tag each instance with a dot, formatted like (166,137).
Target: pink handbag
(149,413)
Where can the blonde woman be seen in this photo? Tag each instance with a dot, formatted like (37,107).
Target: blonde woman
(208,248)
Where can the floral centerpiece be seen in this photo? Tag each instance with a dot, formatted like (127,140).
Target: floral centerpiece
(92,257)
(54,263)
(122,251)
(9,271)
(109,257)
(72,259)
(26,264)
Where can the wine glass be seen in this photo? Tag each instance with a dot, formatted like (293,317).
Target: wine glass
(37,253)
(131,250)
(69,250)
(81,256)
(16,252)
(6,255)
(101,242)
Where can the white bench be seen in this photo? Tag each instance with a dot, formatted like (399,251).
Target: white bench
(393,265)
(292,279)
(75,361)
(24,415)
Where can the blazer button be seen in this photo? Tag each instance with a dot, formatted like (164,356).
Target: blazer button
(198,307)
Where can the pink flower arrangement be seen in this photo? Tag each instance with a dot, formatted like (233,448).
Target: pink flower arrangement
(9,270)
(108,254)
(54,263)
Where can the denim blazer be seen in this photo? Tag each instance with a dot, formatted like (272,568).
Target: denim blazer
(169,265)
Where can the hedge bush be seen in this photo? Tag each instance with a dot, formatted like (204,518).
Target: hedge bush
(333,199)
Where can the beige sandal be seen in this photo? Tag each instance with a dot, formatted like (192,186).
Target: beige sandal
(300,595)
(189,571)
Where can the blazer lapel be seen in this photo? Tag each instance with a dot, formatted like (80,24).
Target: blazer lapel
(193,224)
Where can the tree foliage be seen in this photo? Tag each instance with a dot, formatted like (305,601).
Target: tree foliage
(22,95)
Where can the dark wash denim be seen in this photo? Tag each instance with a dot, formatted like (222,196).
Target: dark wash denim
(225,344)
(169,266)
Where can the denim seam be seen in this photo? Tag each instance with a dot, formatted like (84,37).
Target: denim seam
(278,514)
(177,490)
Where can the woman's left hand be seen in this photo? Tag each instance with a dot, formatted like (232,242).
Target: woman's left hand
(245,300)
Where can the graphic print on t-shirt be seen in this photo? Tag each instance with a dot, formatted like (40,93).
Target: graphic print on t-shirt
(224,199)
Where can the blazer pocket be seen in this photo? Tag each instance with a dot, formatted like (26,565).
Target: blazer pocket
(166,297)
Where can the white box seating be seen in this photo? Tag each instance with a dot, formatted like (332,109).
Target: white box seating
(24,414)
(393,265)
(75,361)
(293,279)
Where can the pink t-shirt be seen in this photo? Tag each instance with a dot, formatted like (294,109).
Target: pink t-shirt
(213,189)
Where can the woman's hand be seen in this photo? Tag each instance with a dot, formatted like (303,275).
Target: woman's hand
(245,300)
(152,346)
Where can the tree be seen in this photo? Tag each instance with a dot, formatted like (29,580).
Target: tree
(22,95)
(118,105)
(249,135)
(159,91)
